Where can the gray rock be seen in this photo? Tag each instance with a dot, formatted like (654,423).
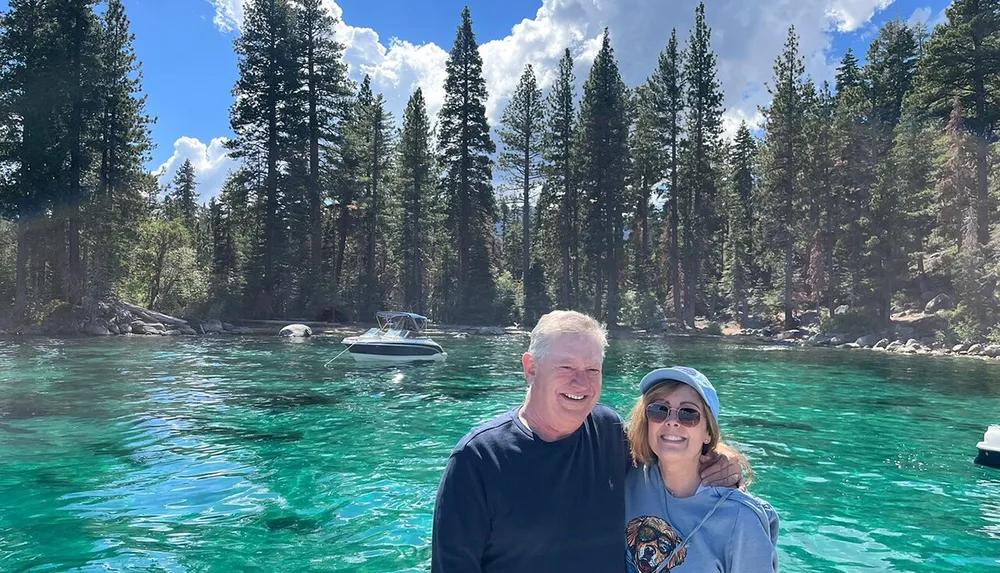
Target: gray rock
(838,339)
(851,345)
(820,339)
(460,335)
(842,309)
(147,329)
(868,340)
(171,332)
(976,349)
(790,334)
(96,328)
(211,326)
(490,331)
(184,329)
(991,350)
(959,347)
(296,331)
(882,343)
(892,346)
(113,328)
(940,302)
(227,326)
(912,343)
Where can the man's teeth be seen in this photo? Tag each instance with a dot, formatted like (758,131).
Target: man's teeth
(575,396)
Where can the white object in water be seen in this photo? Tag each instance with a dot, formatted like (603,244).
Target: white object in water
(991,440)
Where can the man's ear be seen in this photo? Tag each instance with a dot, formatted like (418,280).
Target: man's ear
(528,364)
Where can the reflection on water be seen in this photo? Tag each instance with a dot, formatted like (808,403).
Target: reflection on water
(247,454)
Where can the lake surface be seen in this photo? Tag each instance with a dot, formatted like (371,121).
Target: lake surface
(246,454)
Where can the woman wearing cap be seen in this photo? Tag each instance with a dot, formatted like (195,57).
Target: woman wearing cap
(672,522)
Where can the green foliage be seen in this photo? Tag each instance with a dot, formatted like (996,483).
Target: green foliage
(467,183)
(509,302)
(714,328)
(165,275)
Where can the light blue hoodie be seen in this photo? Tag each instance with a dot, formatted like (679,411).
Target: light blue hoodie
(717,529)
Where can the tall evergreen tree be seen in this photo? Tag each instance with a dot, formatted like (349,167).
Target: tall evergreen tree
(956,186)
(327,95)
(416,164)
(962,60)
(182,201)
(376,167)
(32,136)
(465,150)
(560,165)
(122,144)
(892,64)
(782,161)
(603,138)
(739,219)
(703,129)
(667,84)
(848,72)
(264,122)
(78,45)
(521,134)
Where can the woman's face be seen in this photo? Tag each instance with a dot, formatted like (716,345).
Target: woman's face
(670,439)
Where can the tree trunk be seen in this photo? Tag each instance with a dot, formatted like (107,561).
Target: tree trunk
(789,320)
(21,288)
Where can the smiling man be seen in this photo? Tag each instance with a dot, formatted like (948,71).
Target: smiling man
(540,488)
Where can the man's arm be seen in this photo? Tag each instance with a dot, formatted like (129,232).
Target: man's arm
(723,468)
(461,517)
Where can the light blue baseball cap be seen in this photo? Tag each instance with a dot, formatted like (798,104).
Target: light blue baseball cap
(688,376)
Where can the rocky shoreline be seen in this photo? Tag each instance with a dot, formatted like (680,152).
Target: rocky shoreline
(124,319)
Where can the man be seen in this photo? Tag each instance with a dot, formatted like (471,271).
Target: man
(540,488)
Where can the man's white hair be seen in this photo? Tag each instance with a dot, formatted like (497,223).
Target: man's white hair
(560,322)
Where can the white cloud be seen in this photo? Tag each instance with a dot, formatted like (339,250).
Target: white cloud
(747,36)
(211,163)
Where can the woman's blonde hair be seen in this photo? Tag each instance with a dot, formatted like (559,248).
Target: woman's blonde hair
(638,431)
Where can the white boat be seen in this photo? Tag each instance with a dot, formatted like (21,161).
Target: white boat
(398,338)
(989,448)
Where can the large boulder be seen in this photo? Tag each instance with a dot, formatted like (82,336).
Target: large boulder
(210,326)
(96,328)
(490,331)
(940,302)
(868,340)
(882,343)
(810,318)
(790,334)
(841,310)
(296,331)
(976,349)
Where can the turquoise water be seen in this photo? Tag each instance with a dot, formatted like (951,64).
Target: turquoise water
(226,454)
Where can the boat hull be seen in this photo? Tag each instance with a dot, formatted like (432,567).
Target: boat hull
(388,352)
(988,457)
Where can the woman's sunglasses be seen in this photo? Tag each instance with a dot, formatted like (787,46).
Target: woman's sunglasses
(658,413)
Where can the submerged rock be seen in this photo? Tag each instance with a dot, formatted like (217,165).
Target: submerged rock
(296,331)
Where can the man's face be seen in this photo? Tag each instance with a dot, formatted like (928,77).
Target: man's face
(566,382)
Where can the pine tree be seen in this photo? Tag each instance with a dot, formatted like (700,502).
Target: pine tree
(782,160)
(377,164)
(892,64)
(823,207)
(667,85)
(560,165)
(32,136)
(416,164)
(646,173)
(521,136)
(78,45)
(465,150)
(703,129)
(962,60)
(264,123)
(327,95)
(182,201)
(740,223)
(956,186)
(123,145)
(603,138)
(848,72)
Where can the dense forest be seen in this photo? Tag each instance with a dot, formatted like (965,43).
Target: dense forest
(627,202)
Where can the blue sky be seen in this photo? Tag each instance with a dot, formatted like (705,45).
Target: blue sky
(189,68)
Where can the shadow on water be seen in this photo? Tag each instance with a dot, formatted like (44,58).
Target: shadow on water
(244,436)
(759,423)
(282,402)
(292,523)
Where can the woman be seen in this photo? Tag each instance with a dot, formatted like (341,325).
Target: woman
(672,523)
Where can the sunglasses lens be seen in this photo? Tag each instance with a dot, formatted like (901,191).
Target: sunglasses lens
(688,417)
(657,413)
